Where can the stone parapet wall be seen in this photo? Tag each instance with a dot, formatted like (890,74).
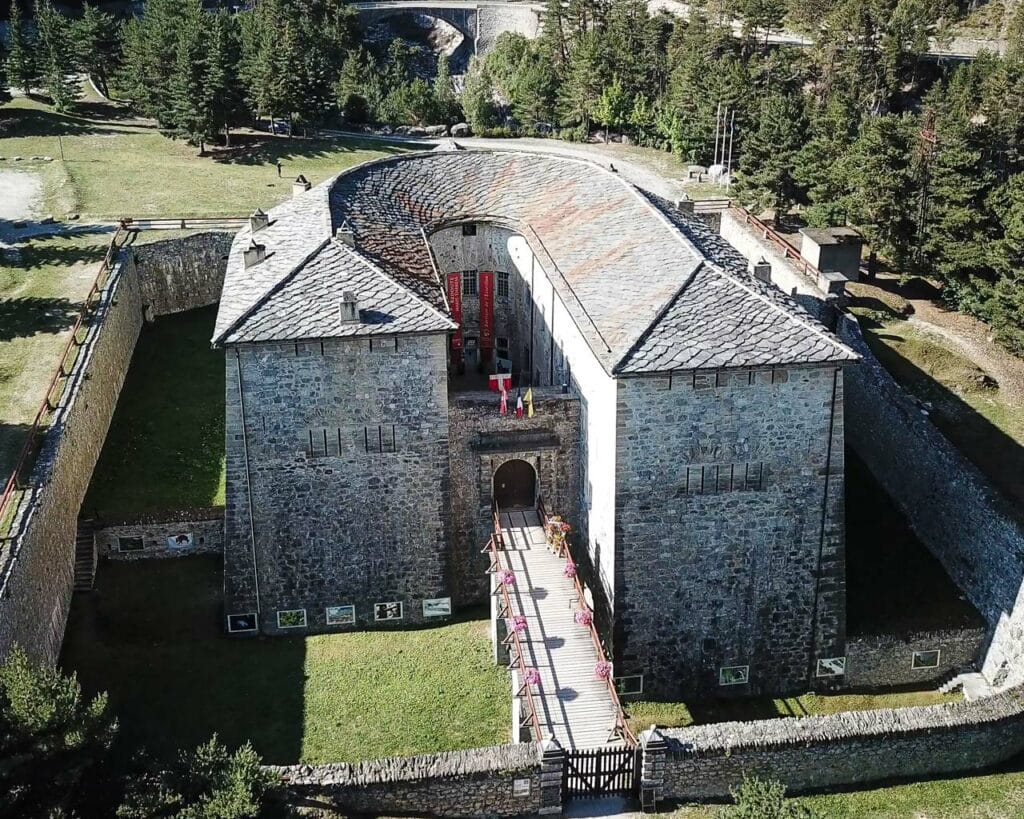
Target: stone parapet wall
(37,564)
(501,781)
(886,660)
(951,506)
(852,748)
(162,538)
(182,274)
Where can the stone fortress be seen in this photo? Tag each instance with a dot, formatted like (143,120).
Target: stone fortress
(687,417)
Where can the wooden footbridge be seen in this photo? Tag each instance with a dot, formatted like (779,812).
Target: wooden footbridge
(556,657)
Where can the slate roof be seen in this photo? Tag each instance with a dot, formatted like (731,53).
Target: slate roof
(648,288)
(306,304)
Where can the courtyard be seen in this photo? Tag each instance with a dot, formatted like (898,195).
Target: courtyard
(151,635)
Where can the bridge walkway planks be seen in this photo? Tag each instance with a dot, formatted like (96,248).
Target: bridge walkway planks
(575,706)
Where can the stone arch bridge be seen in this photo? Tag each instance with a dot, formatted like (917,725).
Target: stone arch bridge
(479,22)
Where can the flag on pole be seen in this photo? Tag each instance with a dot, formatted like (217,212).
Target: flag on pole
(519,404)
(529,403)
(503,407)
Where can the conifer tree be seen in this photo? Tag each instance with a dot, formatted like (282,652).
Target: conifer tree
(150,48)
(56,55)
(223,89)
(446,105)
(96,45)
(583,82)
(819,164)
(21,55)
(766,169)
(883,181)
(189,113)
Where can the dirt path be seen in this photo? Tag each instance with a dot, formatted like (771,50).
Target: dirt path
(20,192)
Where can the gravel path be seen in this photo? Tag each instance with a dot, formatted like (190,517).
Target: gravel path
(20,192)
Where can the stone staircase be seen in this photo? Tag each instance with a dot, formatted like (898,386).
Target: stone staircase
(973,683)
(85,557)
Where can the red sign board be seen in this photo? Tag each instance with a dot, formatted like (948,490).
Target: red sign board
(455,303)
(486,314)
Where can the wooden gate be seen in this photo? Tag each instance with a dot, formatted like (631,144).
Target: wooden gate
(600,772)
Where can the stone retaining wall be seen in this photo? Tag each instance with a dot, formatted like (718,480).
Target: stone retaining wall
(816,753)
(37,563)
(143,539)
(506,780)
(182,274)
(951,506)
(887,660)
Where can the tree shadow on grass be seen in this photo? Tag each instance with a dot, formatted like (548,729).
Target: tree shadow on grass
(48,251)
(152,636)
(29,316)
(21,123)
(12,442)
(260,149)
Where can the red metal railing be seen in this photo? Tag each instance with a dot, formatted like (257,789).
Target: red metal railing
(495,546)
(51,397)
(621,724)
(783,244)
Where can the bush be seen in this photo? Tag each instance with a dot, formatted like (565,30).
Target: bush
(208,783)
(49,737)
(764,799)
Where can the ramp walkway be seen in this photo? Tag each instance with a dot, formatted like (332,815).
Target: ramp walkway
(570,702)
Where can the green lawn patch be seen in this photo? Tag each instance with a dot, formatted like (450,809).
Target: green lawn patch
(120,167)
(994,796)
(165,448)
(43,283)
(643,715)
(151,635)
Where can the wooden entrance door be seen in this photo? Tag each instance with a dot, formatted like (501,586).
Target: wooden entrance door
(515,485)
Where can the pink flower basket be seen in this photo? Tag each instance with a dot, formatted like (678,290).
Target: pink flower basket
(531,676)
(584,617)
(519,624)
(569,570)
(603,670)
(507,577)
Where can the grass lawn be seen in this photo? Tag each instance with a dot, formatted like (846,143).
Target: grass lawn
(165,449)
(679,715)
(42,286)
(117,167)
(151,636)
(994,796)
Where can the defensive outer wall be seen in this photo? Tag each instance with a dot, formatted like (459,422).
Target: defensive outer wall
(37,560)
(950,504)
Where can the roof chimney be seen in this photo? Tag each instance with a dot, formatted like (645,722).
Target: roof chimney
(345,234)
(763,271)
(258,220)
(254,254)
(348,308)
(300,185)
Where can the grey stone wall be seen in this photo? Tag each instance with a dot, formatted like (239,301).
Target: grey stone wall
(121,541)
(500,781)
(886,660)
(852,748)
(37,561)
(729,530)
(481,441)
(343,462)
(950,504)
(183,273)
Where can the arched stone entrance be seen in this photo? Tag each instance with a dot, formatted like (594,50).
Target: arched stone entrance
(515,485)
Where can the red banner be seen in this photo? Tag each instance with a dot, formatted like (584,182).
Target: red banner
(455,303)
(486,315)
